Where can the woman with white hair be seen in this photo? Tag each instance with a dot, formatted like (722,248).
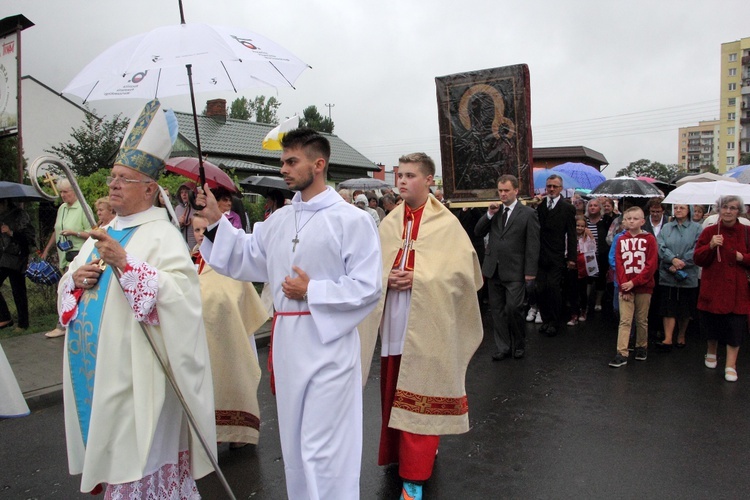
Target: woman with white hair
(71,230)
(723,250)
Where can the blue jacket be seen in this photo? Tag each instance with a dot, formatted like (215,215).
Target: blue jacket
(678,240)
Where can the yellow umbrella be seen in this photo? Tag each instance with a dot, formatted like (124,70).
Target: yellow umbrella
(272,141)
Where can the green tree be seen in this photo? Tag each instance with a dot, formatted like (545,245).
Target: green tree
(313,119)
(93,144)
(239,109)
(648,168)
(9,158)
(264,111)
(745,159)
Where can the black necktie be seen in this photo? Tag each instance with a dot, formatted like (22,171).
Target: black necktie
(505,215)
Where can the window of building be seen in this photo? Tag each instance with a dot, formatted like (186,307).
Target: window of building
(730,160)
(732,86)
(732,71)
(733,57)
(730,130)
(732,101)
(730,146)
(731,116)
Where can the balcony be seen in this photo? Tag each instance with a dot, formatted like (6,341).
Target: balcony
(745,60)
(744,121)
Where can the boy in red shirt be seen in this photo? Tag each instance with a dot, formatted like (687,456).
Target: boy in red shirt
(636,259)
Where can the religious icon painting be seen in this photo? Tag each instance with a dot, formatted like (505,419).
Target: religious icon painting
(485,131)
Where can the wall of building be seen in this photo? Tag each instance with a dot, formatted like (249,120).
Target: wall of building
(735,91)
(698,146)
(47,119)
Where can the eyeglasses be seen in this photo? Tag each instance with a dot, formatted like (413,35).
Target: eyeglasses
(112,181)
(730,208)
(554,186)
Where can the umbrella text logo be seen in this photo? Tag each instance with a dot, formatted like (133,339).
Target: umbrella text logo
(138,77)
(247,43)
(156,58)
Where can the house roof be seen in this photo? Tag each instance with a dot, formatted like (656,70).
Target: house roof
(242,140)
(570,152)
(245,166)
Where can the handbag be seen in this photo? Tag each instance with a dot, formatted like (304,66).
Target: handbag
(42,272)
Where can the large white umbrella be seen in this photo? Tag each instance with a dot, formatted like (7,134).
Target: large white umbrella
(185,58)
(153,64)
(705,193)
(704,177)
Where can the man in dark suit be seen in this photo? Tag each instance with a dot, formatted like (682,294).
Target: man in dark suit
(509,263)
(556,252)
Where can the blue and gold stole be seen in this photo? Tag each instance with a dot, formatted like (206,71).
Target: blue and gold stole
(83,337)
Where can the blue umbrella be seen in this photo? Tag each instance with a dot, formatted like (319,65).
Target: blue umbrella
(736,171)
(587,176)
(541,174)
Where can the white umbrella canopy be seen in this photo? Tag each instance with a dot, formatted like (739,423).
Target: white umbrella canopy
(705,193)
(704,177)
(153,64)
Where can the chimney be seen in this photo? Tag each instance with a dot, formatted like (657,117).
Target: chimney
(217,109)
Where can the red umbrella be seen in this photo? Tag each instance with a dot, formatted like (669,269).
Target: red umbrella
(188,166)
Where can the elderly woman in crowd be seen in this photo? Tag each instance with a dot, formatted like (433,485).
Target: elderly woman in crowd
(678,275)
(699,212)
(724,298)
(104,211)
(71,230)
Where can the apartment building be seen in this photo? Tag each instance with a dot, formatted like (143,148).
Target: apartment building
(735,103)
(699,146)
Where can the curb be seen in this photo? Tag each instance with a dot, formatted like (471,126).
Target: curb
(52,394)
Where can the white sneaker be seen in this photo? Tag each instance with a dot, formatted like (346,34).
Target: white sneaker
(538,319)
(532,314)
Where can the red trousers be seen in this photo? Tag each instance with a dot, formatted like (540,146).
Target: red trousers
(414,453)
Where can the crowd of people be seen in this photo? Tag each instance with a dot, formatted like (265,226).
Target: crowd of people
(656,271)
(339,275)
(343,269)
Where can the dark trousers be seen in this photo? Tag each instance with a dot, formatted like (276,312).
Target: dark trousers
(549,286)
(18,287)
(506,307)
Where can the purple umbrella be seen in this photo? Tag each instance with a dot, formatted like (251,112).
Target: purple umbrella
(587,176)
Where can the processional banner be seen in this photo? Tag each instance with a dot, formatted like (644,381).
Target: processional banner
(485,131)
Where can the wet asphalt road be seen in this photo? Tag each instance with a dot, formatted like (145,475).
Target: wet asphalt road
(557,424)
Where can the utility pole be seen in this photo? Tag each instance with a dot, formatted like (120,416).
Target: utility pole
(329,106)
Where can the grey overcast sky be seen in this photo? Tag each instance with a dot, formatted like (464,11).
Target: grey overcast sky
(618,77)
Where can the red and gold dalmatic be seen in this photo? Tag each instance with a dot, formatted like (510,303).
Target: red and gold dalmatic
(423,390)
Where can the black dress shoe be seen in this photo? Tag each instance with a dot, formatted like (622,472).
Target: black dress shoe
(551,331)
(518,353)
(662,347)
(499,356)
(544,328)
